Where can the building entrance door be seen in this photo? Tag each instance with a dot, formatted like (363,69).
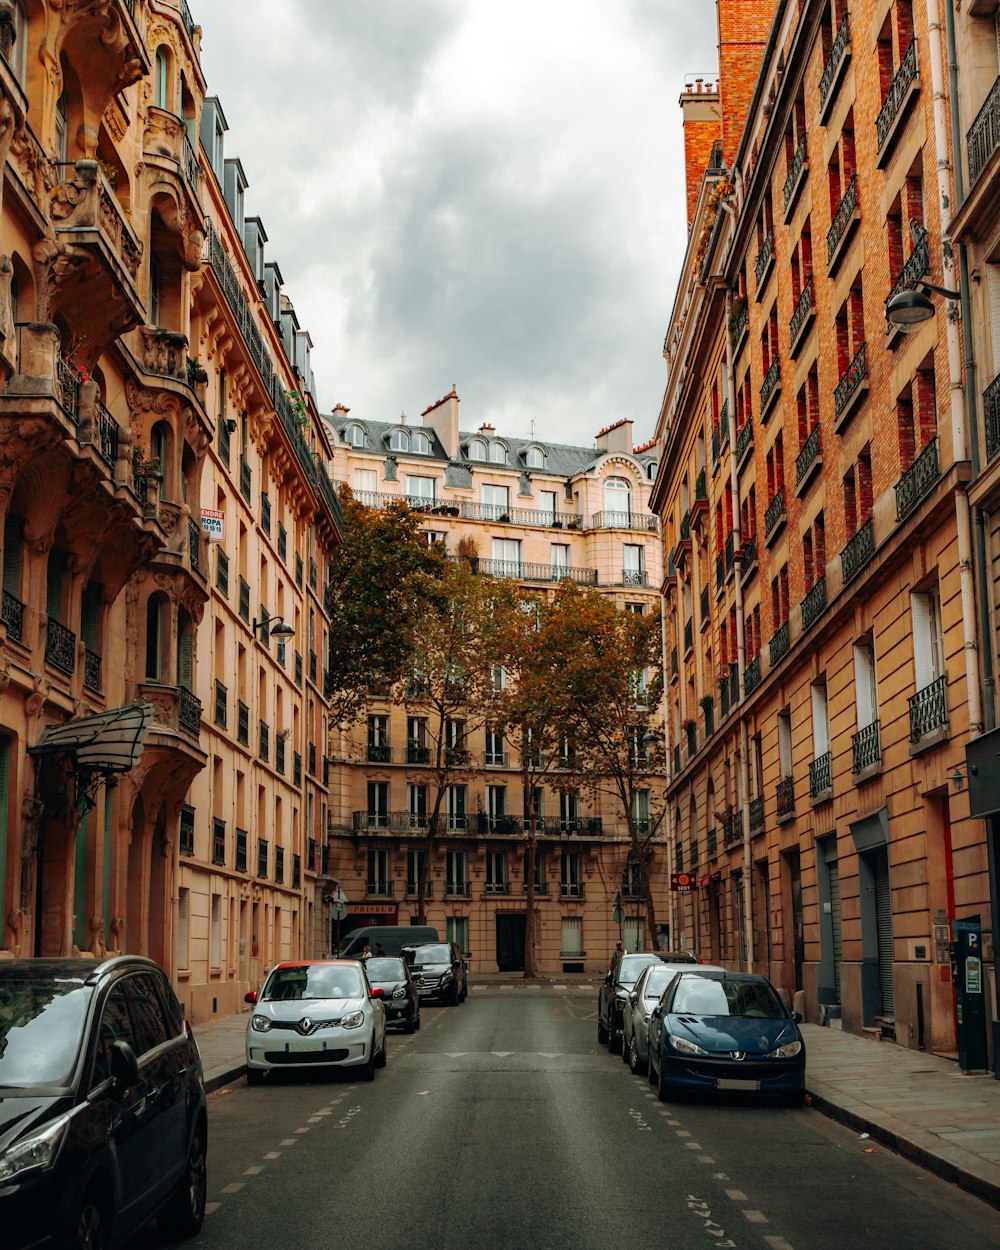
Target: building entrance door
(510,942)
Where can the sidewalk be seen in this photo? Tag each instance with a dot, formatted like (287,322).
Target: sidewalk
(917,1104)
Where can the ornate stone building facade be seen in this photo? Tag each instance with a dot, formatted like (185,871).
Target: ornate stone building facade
(813,494)
(157,394)
(535,511)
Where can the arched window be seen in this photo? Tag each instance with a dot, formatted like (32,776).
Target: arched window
(19,52)
(159,452)
(421,443)
(618,497)
(354,435)
(477,449)
(535,458)
(651,468)
(399,440)
(160,79)
(185,649)
(498,453)
(13,542)
(156,636)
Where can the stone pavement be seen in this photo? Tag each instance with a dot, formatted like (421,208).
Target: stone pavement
(917,1104)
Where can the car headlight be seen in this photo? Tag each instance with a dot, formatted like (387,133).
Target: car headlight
(684,1047)
(400,993)
(445,977)
(35,1152)
(645,1018)
(353,1021)
(788,1051)
(260,1024)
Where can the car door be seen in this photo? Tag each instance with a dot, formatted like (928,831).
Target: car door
(134,1129)
(163,1061)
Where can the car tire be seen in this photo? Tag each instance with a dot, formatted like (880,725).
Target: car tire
(602,1032)
(662,1088)
(383,1054)
(635,1064)
(184,1213)
(614,1040)
(412,1024)
(650,1074)
(89,1232)
(625,1047)
(255,1076)
(454,997)
(417,1025)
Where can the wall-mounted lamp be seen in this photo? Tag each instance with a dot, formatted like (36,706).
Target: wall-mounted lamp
(958,777)
(274,627)
(910,308)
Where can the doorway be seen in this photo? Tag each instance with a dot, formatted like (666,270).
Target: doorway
(510,942)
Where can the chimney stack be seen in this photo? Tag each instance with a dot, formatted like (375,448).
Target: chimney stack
(743,29)
(702,130)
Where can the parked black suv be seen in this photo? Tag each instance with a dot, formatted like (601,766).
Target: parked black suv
(439,971)
(102,1104)
(615,989)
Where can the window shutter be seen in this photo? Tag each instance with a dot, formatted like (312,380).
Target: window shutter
(923,656)
(864,685)
(12,556)
(785,744)
(185,661)
(821,731)
(993,297)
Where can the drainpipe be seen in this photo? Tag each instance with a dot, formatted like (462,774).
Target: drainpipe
(671,832)
(958,412)
(741,655)
(972,384)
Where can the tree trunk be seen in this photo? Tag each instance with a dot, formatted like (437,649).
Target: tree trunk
(425,867)
(650,908)
(530,911)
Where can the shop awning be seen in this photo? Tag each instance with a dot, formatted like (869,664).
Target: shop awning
(110,742)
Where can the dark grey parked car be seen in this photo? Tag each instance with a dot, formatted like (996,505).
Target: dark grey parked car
(401,999)
(439,971)
(102,1104)
(615,989)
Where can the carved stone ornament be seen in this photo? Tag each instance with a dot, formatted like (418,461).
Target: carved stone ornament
(38,171)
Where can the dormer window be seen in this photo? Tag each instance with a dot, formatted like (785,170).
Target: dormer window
(354,435)
(534,458)
(399,440)
(651,470)
(498,453)
(477,449)
(421,443)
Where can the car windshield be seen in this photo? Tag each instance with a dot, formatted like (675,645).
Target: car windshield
(632,966)
(699,996)
(41,1024)
(428,954)
(312,981)
(657,981)
(380,970)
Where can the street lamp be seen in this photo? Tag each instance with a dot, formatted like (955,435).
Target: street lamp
(910,308)
(275,627)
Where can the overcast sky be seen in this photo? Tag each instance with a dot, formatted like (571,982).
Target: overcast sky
(480,193)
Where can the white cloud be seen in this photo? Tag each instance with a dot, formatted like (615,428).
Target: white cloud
(460,191)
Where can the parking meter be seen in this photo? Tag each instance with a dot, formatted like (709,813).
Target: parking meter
(970,1001)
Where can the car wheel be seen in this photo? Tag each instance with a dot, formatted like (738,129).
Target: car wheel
(634,1062)
(367,1070)
(602,1032)
(184,1213)
(614,1039)
(625,1048)
(255,1076)
(650,1074)
(662,1088)
(417,1025)
(383,1054)
(412,1024)
(88,1232)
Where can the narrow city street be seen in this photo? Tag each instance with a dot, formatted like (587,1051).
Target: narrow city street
(503,1123)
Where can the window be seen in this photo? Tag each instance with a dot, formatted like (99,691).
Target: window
(495,752)
(19,52)
(435,538)
(534,458)
(365,480)
(154,300)
(417,803)
(215,933)
(477,449)
(455,879)
(548,503)
(785,743)
(378,803)
(62,131)
(560,556)
(569,811)
(498,453)
(378,872)
(865,688)
(499,674)
(640,811)
(634,564)
(506,556)
(497,499)
(354,435)
(455,807)
(420,489)
(928,643)
(496,872)
(570,875)
(571,941)
(617,496)
(820,720)
(399,440)
(183,926)
(496,804)
(421,444)
(160,79)
(458,931)
(414,867)
(540,885)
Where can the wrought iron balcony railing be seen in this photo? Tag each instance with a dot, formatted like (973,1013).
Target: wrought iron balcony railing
(624,521)
(991,417)
(834,60)
(918,480)
(703,610)
(842,219)
(60,646)
(810,450)
(858,551)
(757,814)
(92,670)
(889,112)
(688,634)
(914,268)
(785,795)
(520,571)
(866,748)
(780,643)
(630,577)
(929,709)
(983,137)
(12,615)
(848,385)
(775,511)
(744,440)
(814,604)
(770,383)
(189,710)
(821,775)
(749,554)
(795,169)
(764,257)
(751,675)
(418,754)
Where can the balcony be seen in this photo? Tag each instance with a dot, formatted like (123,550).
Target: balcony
(379,889)
(915,267)
(757,814)
(12,615)
(851,389)
(798,169)
(630,577)
(699,507)
(751,675)
(765,263)
(496,759)
(785,796)
(991,417)
(808,462)
(821,778)
(770,388)
(983,137)
(801,319)
(92,671)
(519,571)
(918,480)
(858,552)
(902,91)
(472,511)
(624,521)
(732,829)
(167,149)
(416,754)
(866,750)
(833,70)
(704,620)
(688,636)
(503,826)
(780,643)
(929,712)
(189,711)
(846,217)
(749,563)
(716,445)
(814,604)
(60,647)
(739,323)
(774,517)
(744,443)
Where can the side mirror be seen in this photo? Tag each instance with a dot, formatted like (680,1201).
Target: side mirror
(251,997)
(656,1012)
(633,998)
(797,1017)
(378,992)
(124,1066)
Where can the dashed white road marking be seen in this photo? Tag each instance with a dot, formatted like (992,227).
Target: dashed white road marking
(778,1243)
(302,1130)
(273,1154)
(755,1217)
(691,1145)
(683,1133)
(234,1188)
(737,1195)
(254,1171)
(705,1159)
(212,1207)
(289,1141)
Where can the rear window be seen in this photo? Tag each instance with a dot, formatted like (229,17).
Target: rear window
(380,970)
(436,954)
(632,966)
(41,1023)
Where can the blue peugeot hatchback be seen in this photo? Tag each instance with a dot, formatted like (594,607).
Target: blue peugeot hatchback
(727,1032)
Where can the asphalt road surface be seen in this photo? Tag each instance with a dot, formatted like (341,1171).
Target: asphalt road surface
(503,1124)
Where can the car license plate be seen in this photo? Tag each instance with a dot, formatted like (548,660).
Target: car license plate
(733,1084)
